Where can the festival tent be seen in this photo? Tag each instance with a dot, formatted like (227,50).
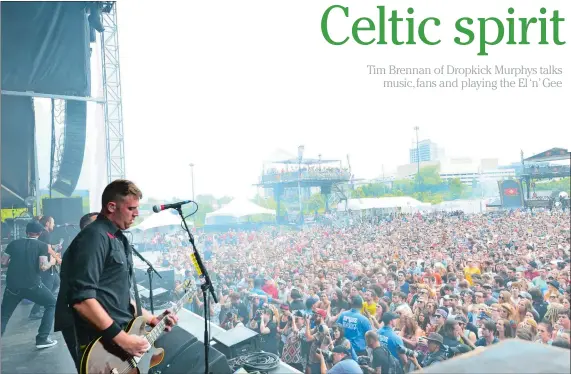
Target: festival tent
(399,203)
(235,212)
(167,217)
(467,206)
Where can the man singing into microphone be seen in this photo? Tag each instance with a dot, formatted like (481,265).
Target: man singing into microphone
(98,275)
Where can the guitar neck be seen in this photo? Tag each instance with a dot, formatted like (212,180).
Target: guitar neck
(158,330)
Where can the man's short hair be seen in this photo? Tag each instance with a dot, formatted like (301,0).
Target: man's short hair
(490,326)
(371,335)
(118,190)
(86,220)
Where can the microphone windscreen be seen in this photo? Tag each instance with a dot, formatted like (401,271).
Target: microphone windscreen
(156,208)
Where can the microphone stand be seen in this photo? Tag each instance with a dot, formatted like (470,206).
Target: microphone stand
(150,271)
(206,286)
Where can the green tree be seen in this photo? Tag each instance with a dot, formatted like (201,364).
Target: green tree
(316,202)
(456,188)
(563,184)
(406,186)
(428,179)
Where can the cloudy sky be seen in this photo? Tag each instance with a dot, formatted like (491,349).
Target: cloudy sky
(223,84)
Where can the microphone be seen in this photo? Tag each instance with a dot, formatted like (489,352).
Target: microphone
(159,208)
(66,225)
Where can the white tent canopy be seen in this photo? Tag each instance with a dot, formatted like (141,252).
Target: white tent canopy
(167,217)
(236,209)
(403,202)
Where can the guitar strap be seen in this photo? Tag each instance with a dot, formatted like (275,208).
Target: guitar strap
(137,299)
(129,253)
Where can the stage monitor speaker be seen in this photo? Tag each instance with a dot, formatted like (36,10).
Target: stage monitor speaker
(190,360)
(167,280)
(73,148)
(237,342)
(64,210)
(173,342)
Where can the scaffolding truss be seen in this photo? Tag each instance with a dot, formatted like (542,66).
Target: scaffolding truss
(113,108)
(57,139)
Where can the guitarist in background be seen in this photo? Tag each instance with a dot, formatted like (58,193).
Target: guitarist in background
(97,276)
(26,259)
(50,277)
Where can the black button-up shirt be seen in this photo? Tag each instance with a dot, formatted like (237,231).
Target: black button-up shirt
(97,265)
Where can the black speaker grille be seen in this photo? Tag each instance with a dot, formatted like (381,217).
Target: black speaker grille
(74,147)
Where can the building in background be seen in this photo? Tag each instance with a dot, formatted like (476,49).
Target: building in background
(428,151)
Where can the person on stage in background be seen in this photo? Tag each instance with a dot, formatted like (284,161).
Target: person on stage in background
(26,258)
(65,325)
(98,276)
(87,219)
(50,277)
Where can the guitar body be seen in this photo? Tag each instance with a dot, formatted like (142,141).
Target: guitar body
(107,358)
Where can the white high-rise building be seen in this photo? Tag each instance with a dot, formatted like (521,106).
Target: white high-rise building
(428,151)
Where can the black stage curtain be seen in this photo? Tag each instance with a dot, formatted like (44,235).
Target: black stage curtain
(45,47)
(18,126)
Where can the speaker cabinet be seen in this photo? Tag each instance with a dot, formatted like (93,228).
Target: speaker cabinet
(167,280)
(184,354)
(64,210)
(73,148)
(237,342)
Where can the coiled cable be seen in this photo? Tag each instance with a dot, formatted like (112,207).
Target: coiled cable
(259,361)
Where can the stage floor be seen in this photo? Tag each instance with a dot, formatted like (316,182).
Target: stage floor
(19,353)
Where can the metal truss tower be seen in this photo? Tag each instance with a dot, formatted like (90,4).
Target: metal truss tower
(113,107)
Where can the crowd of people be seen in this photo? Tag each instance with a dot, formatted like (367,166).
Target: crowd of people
(393,294)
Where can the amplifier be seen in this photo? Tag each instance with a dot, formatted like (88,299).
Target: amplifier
(167,280)
(237,342)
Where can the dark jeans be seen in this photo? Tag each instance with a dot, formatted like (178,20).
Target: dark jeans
(50,279)
(38,294)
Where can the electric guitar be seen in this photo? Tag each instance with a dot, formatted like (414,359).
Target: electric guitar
(108,358)
(57,248)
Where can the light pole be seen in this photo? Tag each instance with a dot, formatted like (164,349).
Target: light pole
(417,160)
(192,178)
(300,157)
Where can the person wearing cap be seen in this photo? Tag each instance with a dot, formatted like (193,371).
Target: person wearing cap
(439,317)
(319,338)
(342,362)
(436,351)
(355,325)
(552,289)
(389,338)
(26,258)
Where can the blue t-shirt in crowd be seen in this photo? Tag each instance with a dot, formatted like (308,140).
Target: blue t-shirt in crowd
(391,340)
(347,366)
(355,325)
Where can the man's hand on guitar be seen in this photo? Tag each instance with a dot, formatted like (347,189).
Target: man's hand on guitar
(171,320)
(134,345)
